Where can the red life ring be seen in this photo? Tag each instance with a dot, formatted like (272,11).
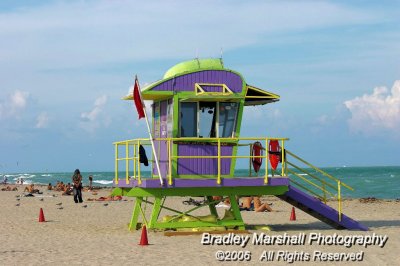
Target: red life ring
(274,153)
(257,151)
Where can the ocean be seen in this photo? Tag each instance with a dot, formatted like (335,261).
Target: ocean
(379,182)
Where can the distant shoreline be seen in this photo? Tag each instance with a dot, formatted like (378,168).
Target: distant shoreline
(43,187)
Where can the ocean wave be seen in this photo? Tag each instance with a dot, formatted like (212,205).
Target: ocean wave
(103,182)
(23,176)
(20,175)
(46,175)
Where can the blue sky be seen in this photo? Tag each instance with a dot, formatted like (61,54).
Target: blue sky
(64,66)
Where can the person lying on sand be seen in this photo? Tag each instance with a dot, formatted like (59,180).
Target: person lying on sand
(31,189)
(8,188)
(109,198)
(258,205)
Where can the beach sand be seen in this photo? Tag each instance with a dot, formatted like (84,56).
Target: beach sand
(98,234)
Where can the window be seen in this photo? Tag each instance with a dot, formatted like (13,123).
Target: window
(208,119)
(188,119)
(227,119)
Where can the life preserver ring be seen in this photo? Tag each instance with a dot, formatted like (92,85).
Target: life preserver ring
(257,151)
(274,152)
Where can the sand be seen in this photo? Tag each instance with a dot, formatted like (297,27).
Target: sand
(98,234)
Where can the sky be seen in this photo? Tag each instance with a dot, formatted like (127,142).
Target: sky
(65,65)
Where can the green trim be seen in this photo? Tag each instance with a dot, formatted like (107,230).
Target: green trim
(237,135)
(152,95)
(200,191)
(171,225)
(175,135)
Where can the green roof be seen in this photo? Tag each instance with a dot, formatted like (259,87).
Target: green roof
(194,65)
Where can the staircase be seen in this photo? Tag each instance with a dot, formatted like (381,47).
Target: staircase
(318,184)
(320,210)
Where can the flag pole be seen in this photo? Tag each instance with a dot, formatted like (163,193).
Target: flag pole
(152,146)
(148,127)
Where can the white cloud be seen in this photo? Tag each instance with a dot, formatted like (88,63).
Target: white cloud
(92,120)
(14,105)
(97,109)
(379,111)
(42,120)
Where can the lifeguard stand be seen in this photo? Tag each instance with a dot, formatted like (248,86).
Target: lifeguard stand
(197,112)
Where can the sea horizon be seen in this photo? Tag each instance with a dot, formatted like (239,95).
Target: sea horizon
(368,181)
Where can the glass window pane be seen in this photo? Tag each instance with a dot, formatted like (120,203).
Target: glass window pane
(207,117)
(227,119)
(188,120)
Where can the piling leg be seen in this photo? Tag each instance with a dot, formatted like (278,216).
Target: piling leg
(135,214)
(213,210)
(236,211)
(156,212)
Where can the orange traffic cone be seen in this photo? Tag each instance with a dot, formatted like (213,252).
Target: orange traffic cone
(293,215)
(41,216)
(143,239)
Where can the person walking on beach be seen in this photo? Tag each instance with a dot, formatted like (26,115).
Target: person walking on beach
(90,182)
(77,181)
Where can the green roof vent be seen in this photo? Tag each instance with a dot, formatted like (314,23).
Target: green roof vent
(194,65)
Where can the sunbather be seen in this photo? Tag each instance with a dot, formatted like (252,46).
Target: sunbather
(258,205)
(31,189)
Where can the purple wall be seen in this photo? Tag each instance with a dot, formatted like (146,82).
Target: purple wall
(186,82)
(203,166)
(161,146)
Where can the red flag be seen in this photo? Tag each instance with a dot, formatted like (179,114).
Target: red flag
(137,98)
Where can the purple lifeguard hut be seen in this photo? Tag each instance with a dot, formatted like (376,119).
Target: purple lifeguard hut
(197,110)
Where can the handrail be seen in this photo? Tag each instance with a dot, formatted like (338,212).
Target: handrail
(313,176)
(218,141)
(337,189)
(319,170)
(234,142)
(308,181)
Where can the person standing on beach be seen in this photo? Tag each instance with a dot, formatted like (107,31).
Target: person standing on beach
(77,181)
(90,182)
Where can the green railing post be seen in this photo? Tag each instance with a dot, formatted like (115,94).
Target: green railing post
(219,162)
(339,201)
(266,161)
(126,162)
(283,158)
(134,160)
(250,152)
(138,164)
(116,164)
(169,163)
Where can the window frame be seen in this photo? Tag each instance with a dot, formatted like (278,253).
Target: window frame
(217,133)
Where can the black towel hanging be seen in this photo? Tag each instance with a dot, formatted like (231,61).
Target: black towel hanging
(142,156)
